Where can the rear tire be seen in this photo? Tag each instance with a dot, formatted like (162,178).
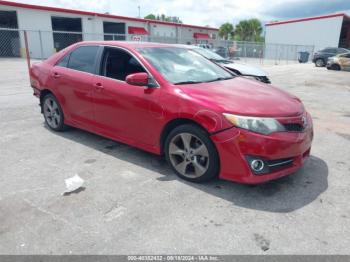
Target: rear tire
(191,153)
(320,62)
(53,113)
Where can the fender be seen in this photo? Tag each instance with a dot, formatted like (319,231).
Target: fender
(210,120)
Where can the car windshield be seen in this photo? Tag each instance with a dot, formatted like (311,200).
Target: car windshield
(209,54)
(183,66)
(343,50)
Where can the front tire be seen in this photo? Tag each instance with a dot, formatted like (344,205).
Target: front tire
(53,113)
(335,67)
(191,153)
(320,62)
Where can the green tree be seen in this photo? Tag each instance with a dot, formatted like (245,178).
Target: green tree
(249,30)
(226,31)
(163,17)
(150,16)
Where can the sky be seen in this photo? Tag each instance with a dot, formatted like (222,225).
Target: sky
(210,12)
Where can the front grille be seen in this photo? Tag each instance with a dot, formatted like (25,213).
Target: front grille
(293,127)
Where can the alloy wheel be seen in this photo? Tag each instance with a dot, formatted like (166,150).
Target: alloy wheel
(189,155)
(52,113)
(319,63)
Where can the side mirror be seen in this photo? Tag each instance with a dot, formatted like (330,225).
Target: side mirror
(138,79)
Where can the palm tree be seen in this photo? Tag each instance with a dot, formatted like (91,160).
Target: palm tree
(249,30)
(226,31)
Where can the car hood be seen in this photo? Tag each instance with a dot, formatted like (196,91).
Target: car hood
(244,97)
(245,69)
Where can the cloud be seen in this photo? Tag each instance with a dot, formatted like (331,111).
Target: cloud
(210,12)
(307,8)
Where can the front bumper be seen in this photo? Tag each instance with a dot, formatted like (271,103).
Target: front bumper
(330,63)
(234,145)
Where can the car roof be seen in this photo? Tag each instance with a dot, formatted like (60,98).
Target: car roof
(134,44)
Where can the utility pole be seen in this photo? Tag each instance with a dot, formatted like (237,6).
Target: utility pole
(139,11)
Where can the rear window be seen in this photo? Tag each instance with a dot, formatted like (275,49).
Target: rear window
(83,59)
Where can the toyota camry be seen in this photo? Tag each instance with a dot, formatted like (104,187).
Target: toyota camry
(207,121)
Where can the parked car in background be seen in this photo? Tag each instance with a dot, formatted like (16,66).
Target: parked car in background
(247,71)
(339,62)
(320,57)
(222,51)
(205,46)
(170,100)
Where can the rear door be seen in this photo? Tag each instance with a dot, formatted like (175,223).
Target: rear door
(72,79)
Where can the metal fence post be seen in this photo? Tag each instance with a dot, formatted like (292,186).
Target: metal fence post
(41,46)
(27,49)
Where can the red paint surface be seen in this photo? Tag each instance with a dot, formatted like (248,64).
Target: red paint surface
(137,115)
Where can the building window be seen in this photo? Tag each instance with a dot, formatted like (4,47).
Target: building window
(114,31)
(10,44)
(8,19)
(67,31)
(66,24)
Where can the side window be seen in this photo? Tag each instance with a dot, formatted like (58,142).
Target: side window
(83,59)
(64,61)
(118,64)
(329,50)
(347,55)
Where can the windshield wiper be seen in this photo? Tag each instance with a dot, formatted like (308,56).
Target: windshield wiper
(187,82)
(219,79)
(221,61)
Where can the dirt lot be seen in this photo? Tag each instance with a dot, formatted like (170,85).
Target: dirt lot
(133,203)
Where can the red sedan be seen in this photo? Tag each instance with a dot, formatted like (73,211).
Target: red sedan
(170,100)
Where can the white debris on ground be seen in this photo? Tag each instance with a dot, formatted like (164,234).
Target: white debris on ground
(73,183)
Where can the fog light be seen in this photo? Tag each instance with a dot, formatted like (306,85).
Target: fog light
(257,165)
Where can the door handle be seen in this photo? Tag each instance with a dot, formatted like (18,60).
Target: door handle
(98,86)
(56,75)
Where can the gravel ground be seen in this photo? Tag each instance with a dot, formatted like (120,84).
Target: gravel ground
(132,203)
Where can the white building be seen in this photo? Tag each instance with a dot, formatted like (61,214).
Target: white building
(322,31)
(50,29)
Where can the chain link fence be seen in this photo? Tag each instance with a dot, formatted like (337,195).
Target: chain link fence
(42,44)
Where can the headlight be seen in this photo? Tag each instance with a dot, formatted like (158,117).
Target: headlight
(262,125)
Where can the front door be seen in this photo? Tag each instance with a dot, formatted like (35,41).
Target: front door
(122,111)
